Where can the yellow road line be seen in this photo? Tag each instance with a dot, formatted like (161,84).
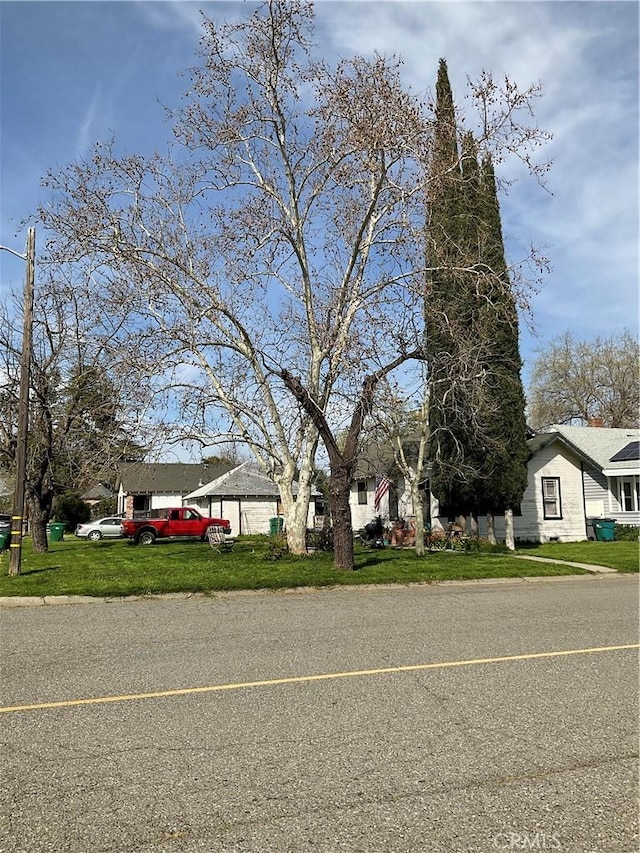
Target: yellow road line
(303,679)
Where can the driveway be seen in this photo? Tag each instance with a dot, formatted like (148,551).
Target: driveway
(462,717)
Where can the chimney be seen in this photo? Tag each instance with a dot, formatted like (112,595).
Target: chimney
(595,422)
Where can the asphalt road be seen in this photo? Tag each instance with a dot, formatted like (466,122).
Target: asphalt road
(448,718)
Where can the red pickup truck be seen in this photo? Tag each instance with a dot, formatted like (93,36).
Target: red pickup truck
(181,521)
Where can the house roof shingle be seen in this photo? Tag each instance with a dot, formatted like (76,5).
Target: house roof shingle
(246,480)
(168,477)
(241,481)
(99,492)
(595,444)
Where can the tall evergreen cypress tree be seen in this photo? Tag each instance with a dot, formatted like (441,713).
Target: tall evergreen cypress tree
(477,445)
(441,236)
(506,478)
(445,200)
(474,313)
(449,309)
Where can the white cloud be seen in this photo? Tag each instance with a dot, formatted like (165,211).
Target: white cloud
(87,130)
(171,15)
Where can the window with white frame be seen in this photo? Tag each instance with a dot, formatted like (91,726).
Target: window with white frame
(551,502)
(362,491)
(628,494)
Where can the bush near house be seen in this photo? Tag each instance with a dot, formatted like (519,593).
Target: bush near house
(626,533)
(70,509)
(109,506)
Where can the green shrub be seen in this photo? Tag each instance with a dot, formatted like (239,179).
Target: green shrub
(321,540)
(626,533)
(475,545)
(108,506)
(277,548)
(70,509)
(493,547)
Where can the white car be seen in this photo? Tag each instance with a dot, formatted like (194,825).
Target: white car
(103,528)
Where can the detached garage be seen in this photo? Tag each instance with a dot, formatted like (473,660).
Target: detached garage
(245,496)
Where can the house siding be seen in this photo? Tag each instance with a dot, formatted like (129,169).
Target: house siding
(531,525)
(597,500)
(249,515)
(396,503)
(362,514)
(125,502)
(165,501)
(201,504)
(574,456)
(626,517)
(601,499)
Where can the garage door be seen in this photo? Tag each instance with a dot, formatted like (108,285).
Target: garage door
(231,511)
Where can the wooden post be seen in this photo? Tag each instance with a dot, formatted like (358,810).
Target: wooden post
(15,553)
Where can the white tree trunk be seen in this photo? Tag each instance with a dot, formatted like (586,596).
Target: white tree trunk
(418,511)
(509,537)
(491,528)
(436,524)
(296,507)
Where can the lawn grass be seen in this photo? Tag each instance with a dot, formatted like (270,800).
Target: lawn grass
(622,556)
(118,568)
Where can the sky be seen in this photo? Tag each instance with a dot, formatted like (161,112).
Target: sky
(73,73)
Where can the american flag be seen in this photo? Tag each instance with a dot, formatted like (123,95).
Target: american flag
(382,487)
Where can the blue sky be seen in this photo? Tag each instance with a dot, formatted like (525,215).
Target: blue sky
(76,72)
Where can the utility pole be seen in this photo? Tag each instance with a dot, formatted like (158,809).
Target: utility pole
(15,553)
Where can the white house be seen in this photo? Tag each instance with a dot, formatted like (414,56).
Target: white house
(574,474)
(246,497)
(395,503)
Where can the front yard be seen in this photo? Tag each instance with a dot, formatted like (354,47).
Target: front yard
(117,568)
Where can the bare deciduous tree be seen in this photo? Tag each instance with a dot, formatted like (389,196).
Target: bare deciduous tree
(273,262)
(79,427)
(582,382)
(282,241)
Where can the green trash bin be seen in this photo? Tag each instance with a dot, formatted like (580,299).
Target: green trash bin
(604,528)
(275,525)
(5,539)
(55,531)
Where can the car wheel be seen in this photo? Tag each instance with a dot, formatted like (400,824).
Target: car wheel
(95,536)
(147,537)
